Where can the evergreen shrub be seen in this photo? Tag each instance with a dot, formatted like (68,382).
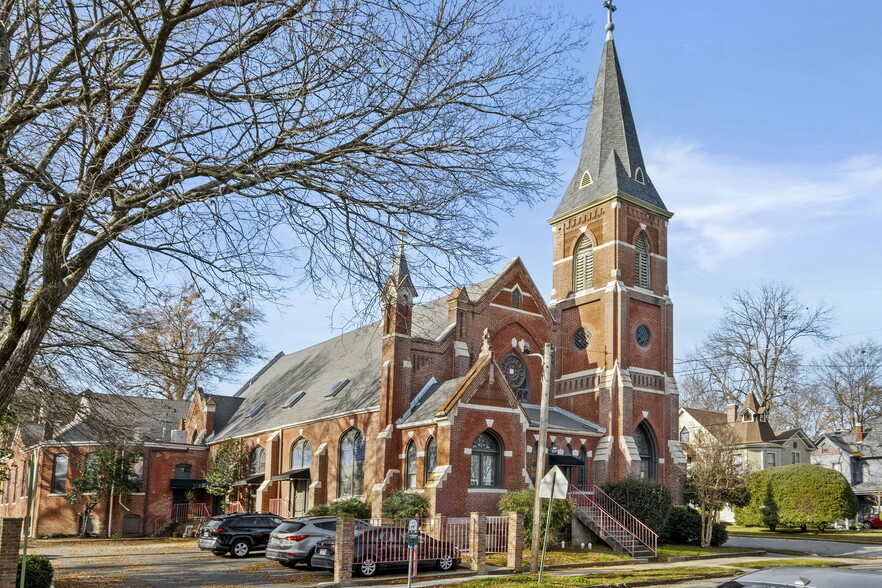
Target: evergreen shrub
(38,574)
(683,527)
(522,501)
(405,505)
(648,500)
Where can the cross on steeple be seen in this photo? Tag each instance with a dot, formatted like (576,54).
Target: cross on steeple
(610,8)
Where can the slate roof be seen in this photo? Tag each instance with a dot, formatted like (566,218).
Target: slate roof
(225,408)
(427,404)
(102,413)
(870,446)
(706,418)
(561,420)
(31,433)
(611,151)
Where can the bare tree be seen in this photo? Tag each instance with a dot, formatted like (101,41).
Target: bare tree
(805,406)
(187,341)
(715,477)
(853,379)
(214,141)
(753,347)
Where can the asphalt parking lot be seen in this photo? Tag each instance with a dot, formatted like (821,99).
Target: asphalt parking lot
(161,563)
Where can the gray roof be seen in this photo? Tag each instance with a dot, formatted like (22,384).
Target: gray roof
(611,152)
(354,355)
(101,414)
(870,446)
(561,420)
(31,433)
(225,408)
(426,404)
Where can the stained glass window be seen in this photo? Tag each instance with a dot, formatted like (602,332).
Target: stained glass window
(351,468)
(431,456)
(515,370)
(301,454)
(486,461)
(410,474)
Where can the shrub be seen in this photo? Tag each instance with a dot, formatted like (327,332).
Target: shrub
(320,510)
(405,505)
(38,574)
(354,507)
(797,495)
(648,500)
(521,501)
(683,527)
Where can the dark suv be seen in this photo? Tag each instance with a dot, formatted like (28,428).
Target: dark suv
(294,540)
(239,534)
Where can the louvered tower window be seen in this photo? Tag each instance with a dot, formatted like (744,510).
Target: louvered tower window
(642,261)
(638,175)
(586,179)
(583,265)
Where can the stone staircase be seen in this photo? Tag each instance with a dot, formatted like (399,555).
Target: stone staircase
(613,524)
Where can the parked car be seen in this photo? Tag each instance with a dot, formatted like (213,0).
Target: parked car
(239,533)
(874,523)
(786,576)
(385,548)
(294,540)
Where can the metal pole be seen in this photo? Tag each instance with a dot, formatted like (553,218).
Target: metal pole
(547,360)
(547,522)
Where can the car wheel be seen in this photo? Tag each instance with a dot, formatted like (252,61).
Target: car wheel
(445,563)
(240,548)
(868,525)
(367,567)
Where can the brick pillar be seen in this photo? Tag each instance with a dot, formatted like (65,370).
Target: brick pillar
(10,537)
(478,542)
(345,543)
(515,540)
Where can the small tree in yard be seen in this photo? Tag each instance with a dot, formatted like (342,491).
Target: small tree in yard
(104,474)
(227,466)
(714,478)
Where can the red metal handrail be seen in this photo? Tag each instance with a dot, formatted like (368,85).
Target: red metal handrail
(235,507)
(196,510)
(613,511)
(279,507)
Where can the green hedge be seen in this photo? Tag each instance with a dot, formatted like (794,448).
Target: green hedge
(522,501)
(648,500)
(405,505)
(799,495)
(353,507)
(683,527)
(39,572)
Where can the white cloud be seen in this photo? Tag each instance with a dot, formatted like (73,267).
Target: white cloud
(728,208)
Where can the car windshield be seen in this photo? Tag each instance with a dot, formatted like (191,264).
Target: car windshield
(214,523)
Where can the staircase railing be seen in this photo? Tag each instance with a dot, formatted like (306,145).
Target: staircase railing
(279,507)
(190,510)
(614,519)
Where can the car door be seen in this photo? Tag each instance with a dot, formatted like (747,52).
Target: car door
(266,525)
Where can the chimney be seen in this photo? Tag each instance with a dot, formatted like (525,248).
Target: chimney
(859,433)
(731,412)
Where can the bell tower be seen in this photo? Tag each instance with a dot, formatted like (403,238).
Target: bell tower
(615,353)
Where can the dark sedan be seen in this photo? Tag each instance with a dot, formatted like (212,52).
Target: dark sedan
(386,548)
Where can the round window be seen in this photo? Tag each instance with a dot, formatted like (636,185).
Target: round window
(581,339)
(642,335)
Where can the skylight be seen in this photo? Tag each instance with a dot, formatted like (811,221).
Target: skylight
(254,409)
(336,388)
(292,400)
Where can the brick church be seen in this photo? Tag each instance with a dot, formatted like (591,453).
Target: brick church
(439,398)
(442,397)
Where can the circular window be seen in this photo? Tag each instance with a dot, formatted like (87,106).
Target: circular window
(581,339)
(516,373)
(642,335)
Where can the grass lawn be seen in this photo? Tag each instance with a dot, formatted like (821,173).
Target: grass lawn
(555,557)
(600,579)
(666,551)
(774,563)
(869,536)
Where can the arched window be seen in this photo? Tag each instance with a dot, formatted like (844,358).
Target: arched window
(515,370)
(638,176)
(646,447)
(486,461)
(642,261)
(684,435)
(59,475)
(516,297)
(182,471)
(301,454)
(431,457)
(351,464)
(138,473)
(585,181)
(91,465)
(257,461)
(583,468)
(410,466)
(583,264)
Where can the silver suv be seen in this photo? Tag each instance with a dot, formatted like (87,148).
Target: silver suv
(294,540)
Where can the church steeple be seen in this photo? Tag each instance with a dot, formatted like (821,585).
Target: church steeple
(611,159)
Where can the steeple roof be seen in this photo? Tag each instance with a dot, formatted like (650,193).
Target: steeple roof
(611,155)
(399,278)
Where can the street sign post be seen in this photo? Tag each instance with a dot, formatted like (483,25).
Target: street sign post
(553,484)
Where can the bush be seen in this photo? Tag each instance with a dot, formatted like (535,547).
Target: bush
(39,572)
(405,505)
(522,501)
(648,500)
(320,510)
(798,495)
(683,527)
(353,507)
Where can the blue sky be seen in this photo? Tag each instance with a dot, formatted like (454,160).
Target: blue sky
(760,127)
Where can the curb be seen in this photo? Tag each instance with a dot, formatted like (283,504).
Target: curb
(758,553)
